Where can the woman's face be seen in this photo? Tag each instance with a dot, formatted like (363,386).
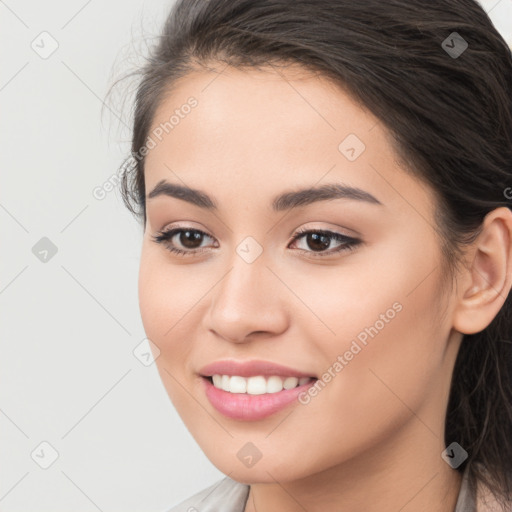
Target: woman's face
(362,313)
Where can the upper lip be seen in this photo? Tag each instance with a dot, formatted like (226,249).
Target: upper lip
(250,369)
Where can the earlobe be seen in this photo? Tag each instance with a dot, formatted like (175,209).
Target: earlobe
(488,278)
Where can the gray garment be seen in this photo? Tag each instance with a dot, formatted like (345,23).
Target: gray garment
(227,495)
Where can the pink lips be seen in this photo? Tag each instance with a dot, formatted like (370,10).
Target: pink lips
(242,406)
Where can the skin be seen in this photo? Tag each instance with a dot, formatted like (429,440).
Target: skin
(372,437)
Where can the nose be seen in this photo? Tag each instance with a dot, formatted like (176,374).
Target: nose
(249,300)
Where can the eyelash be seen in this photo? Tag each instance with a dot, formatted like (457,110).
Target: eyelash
(164,237)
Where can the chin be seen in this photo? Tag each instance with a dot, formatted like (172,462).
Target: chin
(266,470)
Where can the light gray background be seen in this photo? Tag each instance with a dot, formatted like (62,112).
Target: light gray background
(70,324)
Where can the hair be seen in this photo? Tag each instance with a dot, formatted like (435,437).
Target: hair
(450,122)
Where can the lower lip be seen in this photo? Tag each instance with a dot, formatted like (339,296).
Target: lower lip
(242,406)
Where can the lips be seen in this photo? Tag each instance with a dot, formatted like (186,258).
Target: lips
(262,395)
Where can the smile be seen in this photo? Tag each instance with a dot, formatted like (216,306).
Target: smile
(257,385)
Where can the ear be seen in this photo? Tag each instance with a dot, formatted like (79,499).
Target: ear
(485,284)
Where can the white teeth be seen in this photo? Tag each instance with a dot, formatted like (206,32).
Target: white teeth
(237,384)
(225,382)
(257,385)
(274,385)
(291,382)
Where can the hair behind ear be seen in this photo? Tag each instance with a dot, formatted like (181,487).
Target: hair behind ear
(479,413)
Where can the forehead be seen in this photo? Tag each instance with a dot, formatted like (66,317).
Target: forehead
(289,112)
(262,129)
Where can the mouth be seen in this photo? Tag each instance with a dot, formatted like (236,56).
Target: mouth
(258,384)
(251,390)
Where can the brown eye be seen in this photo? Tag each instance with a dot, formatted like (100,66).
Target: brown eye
(188,240)
(317,241)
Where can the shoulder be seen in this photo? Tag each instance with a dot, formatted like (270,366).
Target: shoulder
(225,495)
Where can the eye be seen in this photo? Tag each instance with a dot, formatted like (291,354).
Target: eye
(318,240)
(187,237)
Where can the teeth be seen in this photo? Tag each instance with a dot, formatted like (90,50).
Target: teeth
(217,381)
(292,382)
(257,385)
(237,384)
(225,383)
(273,385)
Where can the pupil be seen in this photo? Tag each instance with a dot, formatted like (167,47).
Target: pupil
(189,242)
(324,241)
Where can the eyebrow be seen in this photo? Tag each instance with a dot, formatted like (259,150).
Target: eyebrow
(285,201)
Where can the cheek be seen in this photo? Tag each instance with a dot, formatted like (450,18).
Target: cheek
(386,370)
(387,355)
(167,293)
(153,297)
(385,318)
(164,301)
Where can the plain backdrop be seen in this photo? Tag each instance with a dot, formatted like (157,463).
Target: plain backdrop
(85,423)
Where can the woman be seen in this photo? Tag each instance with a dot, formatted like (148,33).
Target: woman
(324,187)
